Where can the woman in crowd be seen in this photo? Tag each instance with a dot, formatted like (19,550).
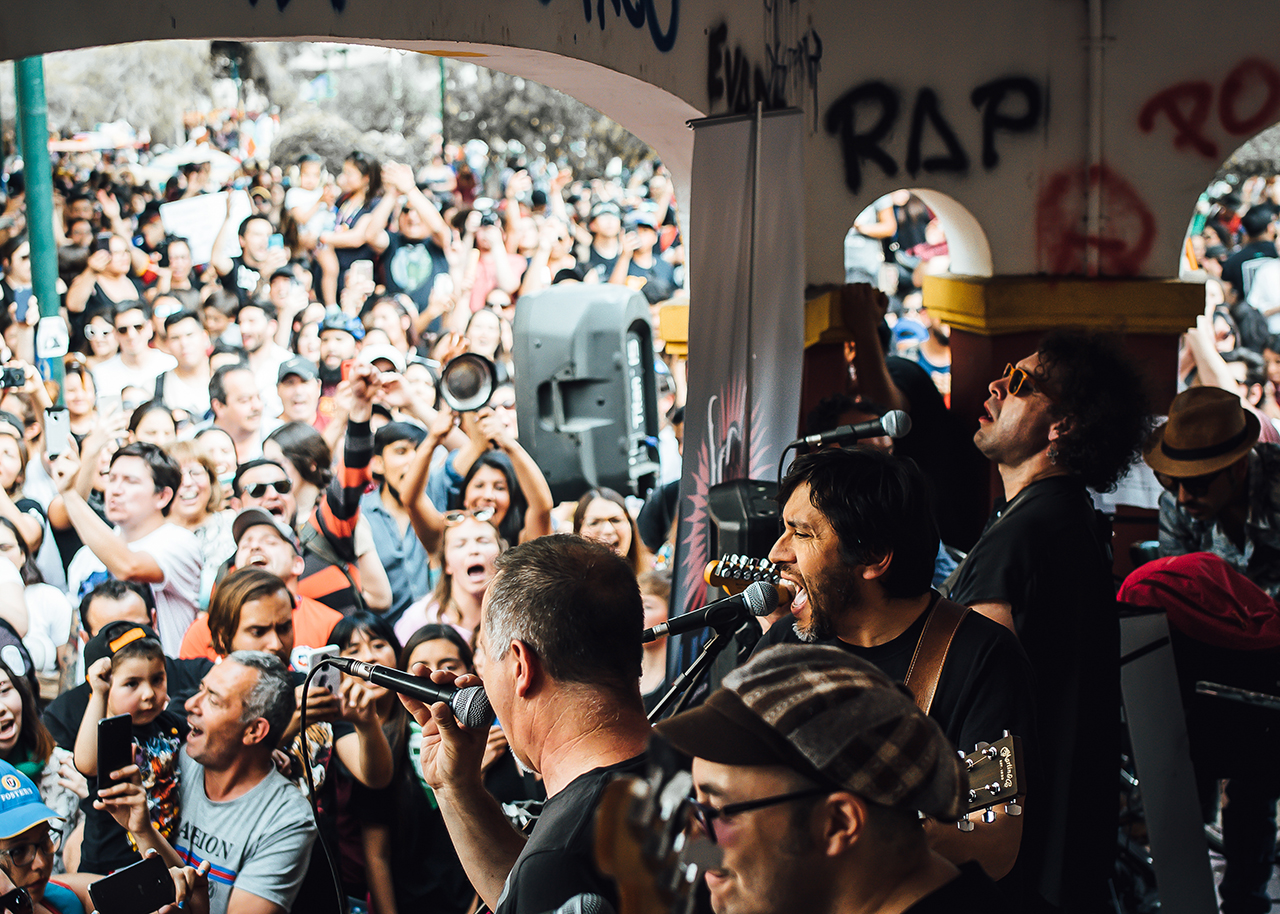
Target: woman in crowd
(80,396)
(602,515)
(49,612)
(107,280)
(361,184)
(470,546)
(178,279)
(100,338)
(153,422)
(484,337)
(27,745)
(24,513)
(221,450)
(306,341)
(15,276)
(411,864)
(655,594)
(197,506)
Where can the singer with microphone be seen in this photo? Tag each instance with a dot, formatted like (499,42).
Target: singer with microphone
(561,638)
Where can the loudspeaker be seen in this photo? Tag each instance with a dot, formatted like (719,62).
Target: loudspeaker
(586,395)
(745,519)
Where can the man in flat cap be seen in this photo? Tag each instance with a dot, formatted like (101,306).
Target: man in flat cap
(1222,496)
(811,771)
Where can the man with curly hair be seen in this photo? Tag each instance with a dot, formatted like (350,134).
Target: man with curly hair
(1068,418)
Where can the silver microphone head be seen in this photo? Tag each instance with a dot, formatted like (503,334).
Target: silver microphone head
(471,707)
(896,423)
(761,598)
(586,903)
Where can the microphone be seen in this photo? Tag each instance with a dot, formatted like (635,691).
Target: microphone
(586,903)
(759,599)
(470,705)
(893,424)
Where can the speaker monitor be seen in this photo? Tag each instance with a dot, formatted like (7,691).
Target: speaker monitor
(745,519)
(586,395)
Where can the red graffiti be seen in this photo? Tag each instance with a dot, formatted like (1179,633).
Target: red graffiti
(1188,124)
(1130,227)
(1238,83)
(1188,105)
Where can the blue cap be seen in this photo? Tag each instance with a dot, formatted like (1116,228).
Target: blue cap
(20,805)
(335,319)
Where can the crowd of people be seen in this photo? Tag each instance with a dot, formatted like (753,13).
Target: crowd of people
(258,471)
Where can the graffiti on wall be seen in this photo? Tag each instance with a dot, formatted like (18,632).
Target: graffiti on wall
(1125,240)
(864,120)
(641,14)
(1247,101)
(790,66)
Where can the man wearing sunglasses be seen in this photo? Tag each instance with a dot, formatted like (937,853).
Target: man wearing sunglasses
(1222,496)
(136,364)
(1070,417)
(811,770)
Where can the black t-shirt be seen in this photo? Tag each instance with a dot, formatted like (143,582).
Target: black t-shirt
(243,279)
(599,264)
(1233,269)
(972,892)
(107,846)
(1047,555)
(558,862)
(410,266)
(985,687)
(63,715)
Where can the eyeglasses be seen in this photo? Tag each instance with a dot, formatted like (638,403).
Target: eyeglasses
(1195,486)
(23,855)
(259,489)
(453,518)
(127,329)
(17,901)
(1021,380)
(705,815)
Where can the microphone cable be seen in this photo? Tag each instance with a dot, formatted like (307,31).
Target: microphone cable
(305,758)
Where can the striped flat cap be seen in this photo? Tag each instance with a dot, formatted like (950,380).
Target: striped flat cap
(832,717)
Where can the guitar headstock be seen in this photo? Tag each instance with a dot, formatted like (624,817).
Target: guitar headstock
(995,777)
(642,838)
(734,573)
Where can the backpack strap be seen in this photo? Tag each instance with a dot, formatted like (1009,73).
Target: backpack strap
(931,650)
(314,541)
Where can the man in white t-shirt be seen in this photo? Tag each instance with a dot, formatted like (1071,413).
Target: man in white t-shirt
(136,364)
(143,546)
(186,386)
(257,320)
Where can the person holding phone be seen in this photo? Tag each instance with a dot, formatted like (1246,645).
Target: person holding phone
(127,676)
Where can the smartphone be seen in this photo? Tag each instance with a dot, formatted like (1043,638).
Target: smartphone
(275,241)
(361,270)
(115,747)
(346,368)
(57,430)
(12,377)
(142,886)
(109,403)
(102,242)
(328,677)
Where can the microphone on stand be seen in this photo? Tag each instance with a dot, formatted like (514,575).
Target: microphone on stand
(893,424)
(759,599)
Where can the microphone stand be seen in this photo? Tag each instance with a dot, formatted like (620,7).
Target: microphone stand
(687,682)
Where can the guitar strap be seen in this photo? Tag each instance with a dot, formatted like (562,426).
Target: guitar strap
(931,650)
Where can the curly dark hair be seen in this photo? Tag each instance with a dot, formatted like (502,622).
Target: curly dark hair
(1101,394)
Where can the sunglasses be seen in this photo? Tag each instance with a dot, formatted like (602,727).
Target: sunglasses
(126,329)
(1195,486)
(1021,383)
(705,815)
(260,489)
(453,518)
(17,901)
(96,333)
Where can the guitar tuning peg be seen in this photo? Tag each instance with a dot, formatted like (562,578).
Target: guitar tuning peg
(973,796)
(1012,808)
(988,816)
(965,824)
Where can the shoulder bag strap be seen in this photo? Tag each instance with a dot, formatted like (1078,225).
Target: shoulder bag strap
(931,651)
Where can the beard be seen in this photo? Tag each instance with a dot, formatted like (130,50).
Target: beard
(329,376)
(831,595)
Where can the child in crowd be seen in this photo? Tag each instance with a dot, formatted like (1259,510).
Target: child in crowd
(126,672)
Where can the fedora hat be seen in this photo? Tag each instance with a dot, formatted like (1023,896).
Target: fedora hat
(1208,429)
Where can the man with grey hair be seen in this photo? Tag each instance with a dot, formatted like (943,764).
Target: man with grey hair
(811,771)
(239,814)
(561,637)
